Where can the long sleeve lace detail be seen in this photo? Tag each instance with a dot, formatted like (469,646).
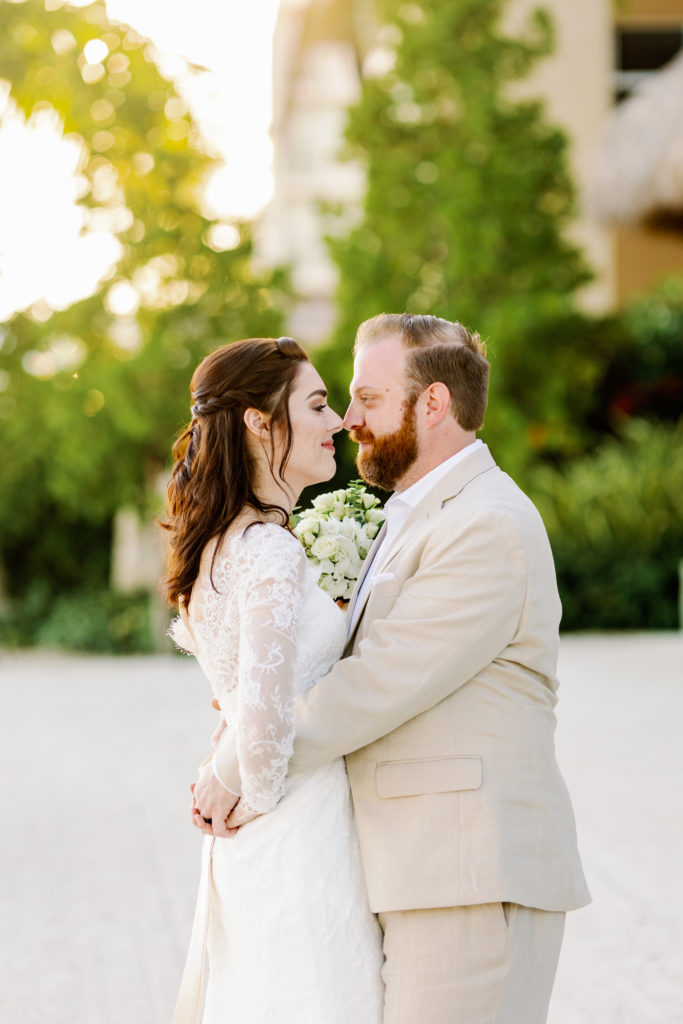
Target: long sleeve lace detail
(261,632)
(271,567)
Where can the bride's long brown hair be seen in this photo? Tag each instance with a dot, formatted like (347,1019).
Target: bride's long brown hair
(214,471)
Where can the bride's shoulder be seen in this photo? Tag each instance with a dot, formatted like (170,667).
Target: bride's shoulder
(265,549)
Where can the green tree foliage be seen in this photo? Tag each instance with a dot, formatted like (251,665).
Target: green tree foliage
(468,196)
(92,398)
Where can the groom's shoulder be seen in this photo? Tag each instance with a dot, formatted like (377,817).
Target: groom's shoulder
(489,498)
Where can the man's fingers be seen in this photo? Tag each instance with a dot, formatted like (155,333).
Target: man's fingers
(219,829)
(215,705)
(200,824)
(222,829)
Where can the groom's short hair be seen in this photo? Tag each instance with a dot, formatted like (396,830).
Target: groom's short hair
(441,350)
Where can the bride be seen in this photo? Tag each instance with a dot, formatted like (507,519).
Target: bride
(282,910)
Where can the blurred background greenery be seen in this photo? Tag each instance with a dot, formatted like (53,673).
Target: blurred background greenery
(466,208)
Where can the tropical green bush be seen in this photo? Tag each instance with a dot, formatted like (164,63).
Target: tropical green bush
(644,372)
(100,621)
(615,525)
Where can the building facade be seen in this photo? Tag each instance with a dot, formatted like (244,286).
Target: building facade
(607,58)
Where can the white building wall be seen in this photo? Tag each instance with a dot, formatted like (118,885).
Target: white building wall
(576,83)
(313,89)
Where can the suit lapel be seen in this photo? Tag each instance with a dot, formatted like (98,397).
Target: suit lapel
(448,487)
(372,554)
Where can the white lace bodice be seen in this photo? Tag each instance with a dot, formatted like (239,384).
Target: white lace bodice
(266,632)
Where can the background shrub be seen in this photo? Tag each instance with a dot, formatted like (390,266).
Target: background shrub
(101,621)
(615,525)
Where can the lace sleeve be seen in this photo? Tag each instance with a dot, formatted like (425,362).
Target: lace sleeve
(271,568)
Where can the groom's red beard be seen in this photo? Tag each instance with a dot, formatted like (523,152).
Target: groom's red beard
(390,456)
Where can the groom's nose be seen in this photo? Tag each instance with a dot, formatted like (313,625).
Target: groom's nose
(354,416)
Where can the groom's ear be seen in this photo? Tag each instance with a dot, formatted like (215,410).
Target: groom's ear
(437,403)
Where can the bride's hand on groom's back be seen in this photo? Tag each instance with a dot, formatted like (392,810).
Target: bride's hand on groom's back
(211,803)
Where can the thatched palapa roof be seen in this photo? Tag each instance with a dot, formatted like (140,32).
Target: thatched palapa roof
(639,171)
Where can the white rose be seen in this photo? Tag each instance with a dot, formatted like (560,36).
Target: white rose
(363,543)
(337,589)
(371,530)
(325,567)
(347,569)
(324,502)
(349,528)
(349,550)
(369,500)
(307,525)
(327,546)
(375,515)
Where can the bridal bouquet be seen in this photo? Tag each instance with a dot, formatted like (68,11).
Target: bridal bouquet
(337,533)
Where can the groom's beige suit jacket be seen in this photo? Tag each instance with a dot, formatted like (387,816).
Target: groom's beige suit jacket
(444,705)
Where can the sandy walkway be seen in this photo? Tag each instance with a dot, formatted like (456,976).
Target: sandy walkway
(99,864)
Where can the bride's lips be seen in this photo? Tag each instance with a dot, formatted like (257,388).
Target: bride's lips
(329,445)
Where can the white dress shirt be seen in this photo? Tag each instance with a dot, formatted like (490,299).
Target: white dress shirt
(398,508)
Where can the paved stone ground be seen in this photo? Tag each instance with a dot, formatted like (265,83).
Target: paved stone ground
(619,746)
(98,864)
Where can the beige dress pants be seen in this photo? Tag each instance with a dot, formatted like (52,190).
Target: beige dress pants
(488,964)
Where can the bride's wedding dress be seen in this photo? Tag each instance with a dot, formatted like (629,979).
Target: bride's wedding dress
(282,909)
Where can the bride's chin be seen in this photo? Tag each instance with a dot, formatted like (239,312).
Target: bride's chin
(323,476)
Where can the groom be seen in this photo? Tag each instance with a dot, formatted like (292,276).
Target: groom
(444,702)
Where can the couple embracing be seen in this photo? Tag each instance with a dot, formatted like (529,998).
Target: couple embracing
(389,838)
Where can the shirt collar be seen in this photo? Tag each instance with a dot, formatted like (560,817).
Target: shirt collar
(413,495)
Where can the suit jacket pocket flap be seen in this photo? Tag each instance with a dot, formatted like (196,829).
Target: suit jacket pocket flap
(381,577)
(433,775)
